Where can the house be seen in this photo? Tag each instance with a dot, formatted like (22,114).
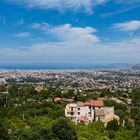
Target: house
(57,99)
(86,112)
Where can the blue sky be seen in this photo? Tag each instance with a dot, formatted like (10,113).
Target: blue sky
(69,31)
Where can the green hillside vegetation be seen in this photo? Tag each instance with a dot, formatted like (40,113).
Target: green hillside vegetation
(28,115)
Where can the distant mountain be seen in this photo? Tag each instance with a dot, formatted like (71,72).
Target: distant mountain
(136,67)
(120,65)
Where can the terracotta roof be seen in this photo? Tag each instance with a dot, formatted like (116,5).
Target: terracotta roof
(88,103)
(94,103)
(97,103)
(57,99)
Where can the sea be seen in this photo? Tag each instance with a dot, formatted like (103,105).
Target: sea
(52,66)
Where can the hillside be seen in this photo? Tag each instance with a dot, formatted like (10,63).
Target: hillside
(119,65)
(136,67)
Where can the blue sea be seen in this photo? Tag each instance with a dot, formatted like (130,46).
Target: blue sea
(52,66)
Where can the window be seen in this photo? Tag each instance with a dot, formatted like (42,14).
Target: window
(72,113)
(78,113)
(78,108)
(89,114)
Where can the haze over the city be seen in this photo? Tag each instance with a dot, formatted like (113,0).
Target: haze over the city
(70,31)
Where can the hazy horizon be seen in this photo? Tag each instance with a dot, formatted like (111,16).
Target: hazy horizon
(63,66)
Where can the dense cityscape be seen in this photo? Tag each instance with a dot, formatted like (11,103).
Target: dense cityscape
(78,80)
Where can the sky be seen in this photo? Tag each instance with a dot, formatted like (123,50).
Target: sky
(70,31)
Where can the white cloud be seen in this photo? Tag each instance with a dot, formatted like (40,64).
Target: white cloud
(22,35)
(64,52)
(86,5)
(119,11)
(40,26)
(127,26)
(68,33)
(73,45)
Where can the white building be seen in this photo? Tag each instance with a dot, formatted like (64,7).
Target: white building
(90,111)
(2,81)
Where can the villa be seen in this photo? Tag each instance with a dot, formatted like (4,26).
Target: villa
(87,112)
